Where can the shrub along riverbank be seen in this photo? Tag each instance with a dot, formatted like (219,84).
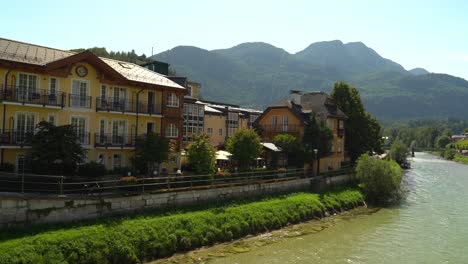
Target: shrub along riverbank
(145,237)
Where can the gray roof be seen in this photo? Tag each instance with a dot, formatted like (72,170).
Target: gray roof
(321,104)
(11,50)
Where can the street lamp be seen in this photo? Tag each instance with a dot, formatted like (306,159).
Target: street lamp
(316,158)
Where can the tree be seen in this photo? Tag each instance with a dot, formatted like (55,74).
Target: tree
(201,155)
(399,152)
(442,141)
(362,130)
(380,179)
(291,146)
(465,130)
(150,151)
(55,149)
(318,136)
(244,146)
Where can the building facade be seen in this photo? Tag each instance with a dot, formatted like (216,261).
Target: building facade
(108,102)
(291,116)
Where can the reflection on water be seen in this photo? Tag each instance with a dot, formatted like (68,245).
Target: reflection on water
(431,226)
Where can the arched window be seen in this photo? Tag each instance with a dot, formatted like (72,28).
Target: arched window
(172,131)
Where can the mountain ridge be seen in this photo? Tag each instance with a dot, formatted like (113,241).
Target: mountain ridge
(255,74)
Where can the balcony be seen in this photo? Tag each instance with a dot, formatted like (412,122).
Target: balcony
(111,104)
(79,101)
(16,138)
(27,95)
(112,140)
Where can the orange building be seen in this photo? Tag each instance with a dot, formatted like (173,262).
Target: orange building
(291,116)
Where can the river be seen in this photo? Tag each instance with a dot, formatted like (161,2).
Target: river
(430,226)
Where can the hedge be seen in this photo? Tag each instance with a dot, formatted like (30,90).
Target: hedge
(145,237)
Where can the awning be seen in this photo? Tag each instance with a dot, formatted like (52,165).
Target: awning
(222,155)
(271,147)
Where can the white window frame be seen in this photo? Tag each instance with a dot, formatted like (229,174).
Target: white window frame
(104,158)
(285,123)
(122,160)
(172,100)
(172,131)
(75,102)
(28,89)
(57,85)
(220,131)
(86,118)
(55,116)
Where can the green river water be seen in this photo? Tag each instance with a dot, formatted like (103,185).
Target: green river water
(431,226)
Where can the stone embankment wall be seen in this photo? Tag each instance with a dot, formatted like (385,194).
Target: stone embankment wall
(22,210)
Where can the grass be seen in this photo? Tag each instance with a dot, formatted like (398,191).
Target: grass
(460,158)
(145,237)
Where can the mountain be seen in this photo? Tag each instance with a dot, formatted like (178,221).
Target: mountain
(257,74)
(419,71)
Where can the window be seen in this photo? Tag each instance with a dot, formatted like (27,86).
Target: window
(252,118)
(53,86)
(189,91)
(341,124)
(101,159)
(117,161)
(120,99)
(79,126)
(52,118)
(79,97)
(103,91)
(285,123)
(340,146)
(119,132)
(331,123)
(24,127)
(274,120)
(172,100)
(27,87)
(220,132)
(102,131)
(172,131)
(233,123)
(210,131)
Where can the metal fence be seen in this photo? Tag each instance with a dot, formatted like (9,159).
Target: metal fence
(61,185)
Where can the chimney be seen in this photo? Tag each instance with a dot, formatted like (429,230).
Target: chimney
(295,96)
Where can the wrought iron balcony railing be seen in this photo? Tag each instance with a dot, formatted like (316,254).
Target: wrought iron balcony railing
(114,140)
(28,95)
(125,106)
(79,101)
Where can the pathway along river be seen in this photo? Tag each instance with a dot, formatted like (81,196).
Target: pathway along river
(431,226)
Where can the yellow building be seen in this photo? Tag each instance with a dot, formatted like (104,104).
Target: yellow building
(108,102)
(291,115)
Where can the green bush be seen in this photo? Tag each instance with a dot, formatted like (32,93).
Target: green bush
(449,154)
(399,152)
(92,169)
(146,237)
(7,167)
(380,179)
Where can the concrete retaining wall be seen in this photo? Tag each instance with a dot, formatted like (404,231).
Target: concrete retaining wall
(22,210)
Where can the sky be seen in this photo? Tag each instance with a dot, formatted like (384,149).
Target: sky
(429,34)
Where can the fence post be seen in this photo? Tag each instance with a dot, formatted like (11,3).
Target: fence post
(61,185)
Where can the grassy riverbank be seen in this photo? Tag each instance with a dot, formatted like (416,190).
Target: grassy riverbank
(145,237)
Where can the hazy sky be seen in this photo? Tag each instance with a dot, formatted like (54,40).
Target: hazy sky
(429,34)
